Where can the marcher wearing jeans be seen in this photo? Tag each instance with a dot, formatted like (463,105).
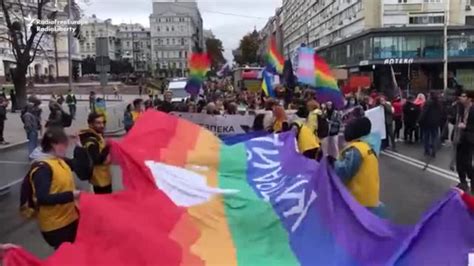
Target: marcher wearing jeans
(31,126)
(431,140)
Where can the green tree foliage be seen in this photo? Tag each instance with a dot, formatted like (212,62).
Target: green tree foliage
(248,49)
(215,50)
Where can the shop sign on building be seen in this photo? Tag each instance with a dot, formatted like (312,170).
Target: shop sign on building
(394,61)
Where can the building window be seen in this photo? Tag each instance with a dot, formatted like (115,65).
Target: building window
(402,1)
(426,20)
(180,54)
(172,28)
(167,41)
(182,41)
(167,28)
(158,28)
(174,41)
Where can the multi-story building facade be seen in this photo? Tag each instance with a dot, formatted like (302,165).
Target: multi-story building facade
(135,46)
(371,38)
(94,28)
(176,29)
(51,61)
(272,29)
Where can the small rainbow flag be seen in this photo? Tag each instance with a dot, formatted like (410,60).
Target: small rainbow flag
(199,65)
(274,59)
(315,72)
(326,85)
(267,84)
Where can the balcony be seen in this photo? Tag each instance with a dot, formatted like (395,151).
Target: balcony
(395,8)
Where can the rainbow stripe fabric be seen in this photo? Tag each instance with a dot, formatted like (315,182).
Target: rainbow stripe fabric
(189,199)
(199,65)
(267,84)
(273,58)
(259,202)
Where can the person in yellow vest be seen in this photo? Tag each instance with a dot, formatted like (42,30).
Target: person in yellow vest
(93,140)
(307,141)
(358,165)
(52,189)
(137,109)
(314,111)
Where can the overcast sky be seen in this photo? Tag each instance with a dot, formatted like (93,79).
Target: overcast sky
(228,28)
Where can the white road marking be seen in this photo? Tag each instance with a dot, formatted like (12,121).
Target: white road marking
(9,185)
(420,162)
(422,166)
(14,162)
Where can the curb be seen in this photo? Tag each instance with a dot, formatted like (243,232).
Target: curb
(118,132)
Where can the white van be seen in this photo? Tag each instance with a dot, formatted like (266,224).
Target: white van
(177,87)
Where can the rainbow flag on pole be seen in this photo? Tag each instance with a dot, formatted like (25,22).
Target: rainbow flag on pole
(191,200)
(274,59)
(326,85)
(199,65)
(315,72)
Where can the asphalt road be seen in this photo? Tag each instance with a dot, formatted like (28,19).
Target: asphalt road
(407,191)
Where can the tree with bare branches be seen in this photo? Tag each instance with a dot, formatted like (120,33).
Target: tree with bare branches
(26,38)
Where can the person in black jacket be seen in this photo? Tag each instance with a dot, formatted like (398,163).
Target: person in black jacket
(411,113)
(430,123)
(464,137)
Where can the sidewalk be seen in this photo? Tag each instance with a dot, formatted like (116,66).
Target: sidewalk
(15,134)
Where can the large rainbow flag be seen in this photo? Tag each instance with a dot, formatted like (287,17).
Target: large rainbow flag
(191,200)
(274,59)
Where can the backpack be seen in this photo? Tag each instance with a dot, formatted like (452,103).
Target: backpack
(28,206)
(85,164)
(323,127)
(66,119)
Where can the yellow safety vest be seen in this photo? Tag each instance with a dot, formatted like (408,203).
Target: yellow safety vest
(365,185)
(306,138)
(101,175)
(135,115)
(57,216)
